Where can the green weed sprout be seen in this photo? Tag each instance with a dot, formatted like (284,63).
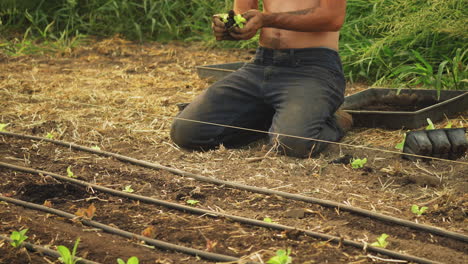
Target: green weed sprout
(128,189)
(192,202)
(70,172)
(449,125)
(131,260)
(381,241)
(358,163)
(417,210)
(267,220)
(2,126)
(282,257)
(66,256)
(96,147)
(18,237)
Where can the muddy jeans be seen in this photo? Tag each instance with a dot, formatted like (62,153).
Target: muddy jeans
(291,91)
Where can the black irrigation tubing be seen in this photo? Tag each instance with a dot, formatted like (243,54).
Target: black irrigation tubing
(45,251)
(307,199)
(154,242)
(200,211)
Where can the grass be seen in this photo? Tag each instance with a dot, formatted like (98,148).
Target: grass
(392,43)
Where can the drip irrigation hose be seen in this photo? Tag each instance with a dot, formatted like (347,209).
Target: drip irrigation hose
(200,211)
(46,251)
(307,199)
(157,243)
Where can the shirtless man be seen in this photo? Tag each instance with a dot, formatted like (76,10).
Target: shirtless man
(294,85)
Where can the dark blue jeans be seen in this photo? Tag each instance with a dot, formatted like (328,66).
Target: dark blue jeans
(291,91)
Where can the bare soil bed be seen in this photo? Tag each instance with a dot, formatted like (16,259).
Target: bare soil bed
(122,97)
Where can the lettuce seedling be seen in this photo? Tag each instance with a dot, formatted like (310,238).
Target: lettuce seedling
(418,211)
(131,260)
(401,145)
(2,126)
(192,202)
(49,135)
(267,219)
(381,241)
(66,256)
(70,172)
(282,257)
(358,163)
(431,125)
(128,189)
(18,237)
(232,20)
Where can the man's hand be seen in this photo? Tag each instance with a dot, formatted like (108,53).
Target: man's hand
(219,30)
(254,23)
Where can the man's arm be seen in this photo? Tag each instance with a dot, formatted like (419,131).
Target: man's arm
(327,16)
(240,6)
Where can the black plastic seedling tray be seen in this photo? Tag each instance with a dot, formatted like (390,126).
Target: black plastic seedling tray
(451,102)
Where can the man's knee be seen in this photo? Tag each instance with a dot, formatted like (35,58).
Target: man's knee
(183,134)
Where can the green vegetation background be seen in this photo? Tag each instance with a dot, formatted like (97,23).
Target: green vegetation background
(418,43)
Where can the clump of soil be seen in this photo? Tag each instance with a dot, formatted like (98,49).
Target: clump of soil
(399,102)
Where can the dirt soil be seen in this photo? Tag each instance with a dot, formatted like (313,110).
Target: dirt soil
(122,97)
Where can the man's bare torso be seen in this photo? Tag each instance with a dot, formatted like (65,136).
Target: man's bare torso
(286,39)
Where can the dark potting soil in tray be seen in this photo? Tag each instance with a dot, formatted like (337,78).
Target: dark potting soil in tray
(402,102)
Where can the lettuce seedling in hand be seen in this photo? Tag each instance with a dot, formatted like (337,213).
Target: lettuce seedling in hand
(232,20)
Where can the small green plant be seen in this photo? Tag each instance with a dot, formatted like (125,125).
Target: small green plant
(282,257)
(192,202)
(267,219)
(430,125)
(70,172)
(49,135)
(2,126)
(358,163)
(66,256)
(418,210)
(240,20)
(131,260)
(128,189)
(381,241)
(18,237)
(232,20)
(401,145)
(96,147)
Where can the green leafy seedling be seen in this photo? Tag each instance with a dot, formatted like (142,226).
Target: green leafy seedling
(282,257)
(430,125)
(49,135)
(3,126)
(267,219)
(381,241)
(240,20)
(401,145)
(358,163)
(128,189)
(18,237)
(66,256)
(131,260)
(224,17)
(449,125)
(418,210)
(96,147)
(192,202)
(70,172)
